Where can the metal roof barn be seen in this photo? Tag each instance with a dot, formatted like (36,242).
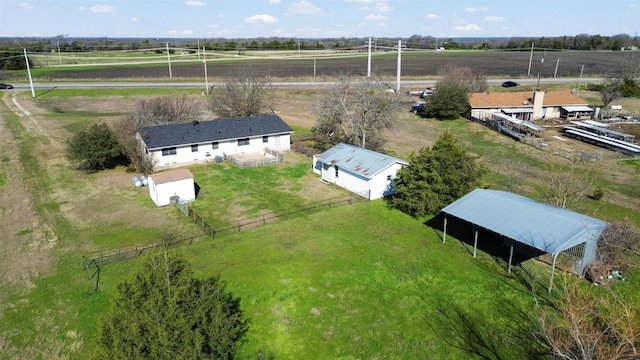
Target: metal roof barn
(542,226)
(359,170)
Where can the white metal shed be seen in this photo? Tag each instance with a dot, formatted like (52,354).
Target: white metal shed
(164,185)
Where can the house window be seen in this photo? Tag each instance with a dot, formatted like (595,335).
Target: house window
(169,151)
(243,142)
(214,145)
(265,139)
(194,148)
(336,169)
(388,177)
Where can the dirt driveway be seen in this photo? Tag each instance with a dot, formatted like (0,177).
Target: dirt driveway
(26,239)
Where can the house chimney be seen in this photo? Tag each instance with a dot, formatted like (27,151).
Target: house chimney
(538,100)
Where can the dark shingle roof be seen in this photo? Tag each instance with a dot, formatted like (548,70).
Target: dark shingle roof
(162,136)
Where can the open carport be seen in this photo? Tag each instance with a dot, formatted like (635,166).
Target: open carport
(541,226)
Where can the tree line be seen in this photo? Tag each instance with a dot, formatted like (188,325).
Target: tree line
(577,42)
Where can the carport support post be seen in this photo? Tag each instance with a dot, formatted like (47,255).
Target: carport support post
(553,268)
(510,258)
(475,242)
(444,237)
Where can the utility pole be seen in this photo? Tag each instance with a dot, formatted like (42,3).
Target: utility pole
(580,81)
(369,60)
(530,58)
(206,80)
(169,61)
(555,73)
(26,59)
(399,65)
(59,58)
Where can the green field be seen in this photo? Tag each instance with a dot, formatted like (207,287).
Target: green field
(356,281)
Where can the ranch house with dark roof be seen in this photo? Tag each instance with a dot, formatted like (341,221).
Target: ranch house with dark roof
(202,141)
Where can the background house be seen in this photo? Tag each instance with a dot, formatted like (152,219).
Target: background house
(362,171)
(202,141)
(164,185)
(527,105)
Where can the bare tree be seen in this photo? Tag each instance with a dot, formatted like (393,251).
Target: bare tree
(243,95)
(126,131)
(356,112)
(566,184)
(474,81)
(167,110)
(609,93)
(583,324)
(620,246)
(627,69)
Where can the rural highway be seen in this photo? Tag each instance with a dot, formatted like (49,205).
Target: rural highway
(194,85)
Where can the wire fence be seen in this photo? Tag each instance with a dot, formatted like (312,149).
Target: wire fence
(93,261)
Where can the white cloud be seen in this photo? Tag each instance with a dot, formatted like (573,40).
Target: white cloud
(377,5)
(180,32)
(372,17)
(468,27)
(303,7)
(433,16)
(26,5)
(194,3)
(275,2)
(102,9)
(82,8)
(213,25)
(494,18)
(133,19)
(472,9)
(262,18)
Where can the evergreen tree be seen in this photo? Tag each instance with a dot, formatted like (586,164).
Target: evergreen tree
(163,312)
(435,177)
(94,148)
(449,101)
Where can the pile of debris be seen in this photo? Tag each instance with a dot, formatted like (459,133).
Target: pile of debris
(601,274)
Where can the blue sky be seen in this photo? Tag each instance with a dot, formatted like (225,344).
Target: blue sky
(317,18)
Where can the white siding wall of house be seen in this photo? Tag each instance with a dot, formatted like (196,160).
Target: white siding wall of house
(379,184)
(205,152)
(345,179)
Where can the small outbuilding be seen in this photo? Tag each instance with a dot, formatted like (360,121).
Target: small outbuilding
(530,223)
(165,185)
(362,171)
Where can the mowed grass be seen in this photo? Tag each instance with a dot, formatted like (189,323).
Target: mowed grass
(355,281)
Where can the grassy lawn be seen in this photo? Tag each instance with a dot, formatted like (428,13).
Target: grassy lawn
(356,281)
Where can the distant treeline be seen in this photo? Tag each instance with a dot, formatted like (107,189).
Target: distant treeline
(418,42)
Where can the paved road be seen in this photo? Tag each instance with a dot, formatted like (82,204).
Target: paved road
(194,85)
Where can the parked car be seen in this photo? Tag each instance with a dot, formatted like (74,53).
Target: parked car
(428,91)
(509,84)
(418,106)
(6,86)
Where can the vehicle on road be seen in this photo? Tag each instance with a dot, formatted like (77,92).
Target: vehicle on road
(509,84)
(418,106)
(6,86)
(428,91)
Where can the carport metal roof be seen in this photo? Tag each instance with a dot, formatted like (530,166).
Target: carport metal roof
(545,227)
